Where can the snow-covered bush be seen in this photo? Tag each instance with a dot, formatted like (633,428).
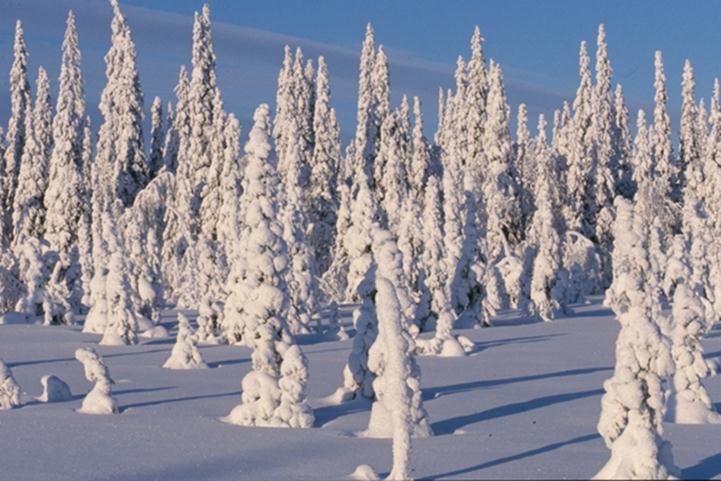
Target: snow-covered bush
(122,324)
(9,390)
(99,399)
(581,261)
(398,408)
(185,353)
(11,288)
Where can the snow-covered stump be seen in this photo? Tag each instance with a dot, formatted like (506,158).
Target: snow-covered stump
(99,399)
(54,390)
(632,409)
(399,403)
(185,353)
(689,402)
(10,393)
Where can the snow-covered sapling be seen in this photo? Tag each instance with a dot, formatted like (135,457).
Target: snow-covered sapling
(185,354)
(399,404)
(99,399)
(9,389)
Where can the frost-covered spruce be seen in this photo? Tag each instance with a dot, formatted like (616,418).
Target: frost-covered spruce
(20,108)
(28,215)
(122,320)
(389,261)
(301,277)
(579,205)
(37,265)
(179,128)
(358,240)
(325,163)
(548,283)
(433,254)
(260,300)
(622,146)
(120,153)
(525,165)
(411,243)
(10,393)
(420,159)
(398,410)
(632,409)
(228,226)
(99,399)
(185,354)
(500,192)
(690,402)
(665,166)
(157,138)
(85,228)
(390,178)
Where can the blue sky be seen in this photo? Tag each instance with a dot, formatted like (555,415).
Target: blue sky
(535,42)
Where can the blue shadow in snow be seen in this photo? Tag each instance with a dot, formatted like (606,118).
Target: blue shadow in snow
(177,400)
(705,469)
(448,426)
(516,457)
(227,362)
(326,414)
(435,392)
(484,345)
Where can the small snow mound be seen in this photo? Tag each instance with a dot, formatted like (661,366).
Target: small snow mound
(155,332)
(364,473)
(340,396)
(452,348)
(54,390)
(459,432)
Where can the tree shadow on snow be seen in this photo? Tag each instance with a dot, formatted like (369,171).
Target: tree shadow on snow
(436,392)
(516,457)
(448,426)
(326,414)
(705,469)
(179,399)
(484,345)
(227,362)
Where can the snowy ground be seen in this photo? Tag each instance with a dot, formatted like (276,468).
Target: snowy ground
(525,405)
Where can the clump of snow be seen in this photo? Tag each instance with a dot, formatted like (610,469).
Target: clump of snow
(155,332)
(99,399)
(185,353)
(9,390)
(364,473)
(54,390)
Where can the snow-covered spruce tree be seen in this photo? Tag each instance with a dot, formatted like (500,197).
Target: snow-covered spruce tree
(579,202)
(35,272)
(367,125)
(66,198)
(157,138)
(389,170)
(689,149)
(185,354)
(526,166)
(358,237)
(325,163)
(690,402)
(500,192)
(122,319)
(632,409)
(420,159)
(604,168)
(380,91)
(411,242)
(85,235)
(273,392)
(397,384)
(622,146)
(301,277)
(230,188)
(712,186)
(475,97)
(99,399)
(433,254)
(665,166)
(180,125)
(389,260)
(120,154)
(20,108)
(548,283)
(28,216)
(10,392)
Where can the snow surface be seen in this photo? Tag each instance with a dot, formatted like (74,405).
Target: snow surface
(524,404)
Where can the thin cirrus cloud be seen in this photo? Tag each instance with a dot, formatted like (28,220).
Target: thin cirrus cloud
(248,60)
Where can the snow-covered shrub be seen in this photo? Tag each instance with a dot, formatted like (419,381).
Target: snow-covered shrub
(11,288)
(54,390)
(185,354)
(513,274)
(9,390)
(99,399)
(122,325)
(398,408)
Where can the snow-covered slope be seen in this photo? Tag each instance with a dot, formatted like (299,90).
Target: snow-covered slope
(524,405)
